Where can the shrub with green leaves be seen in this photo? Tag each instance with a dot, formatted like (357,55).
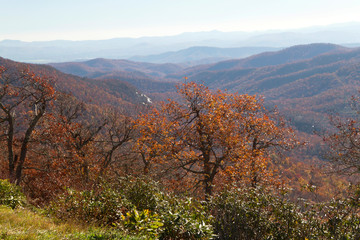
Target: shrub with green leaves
(137,206)
(143,193)
(102,207)
(11,194)
(180,218)
(261,214)
(255,214)
(341,217)
(143,222)
(184,218)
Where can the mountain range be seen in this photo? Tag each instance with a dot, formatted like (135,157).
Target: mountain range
(115,93)
(202,55)
(241,44)
(306,82)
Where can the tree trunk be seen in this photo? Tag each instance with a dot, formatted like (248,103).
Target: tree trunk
(147,164)
(208,190)
(254,173)
(12,162)
(24,145)
(10,138)
(85,167)
(207,179)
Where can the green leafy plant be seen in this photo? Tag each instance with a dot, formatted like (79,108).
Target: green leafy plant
(341,217)
(255,214)
(143,193)
(102,207)
(180,218)
(11,195)
(259,213)
(143,222)
(184,218)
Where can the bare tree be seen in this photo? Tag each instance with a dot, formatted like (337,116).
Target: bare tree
(118,132)
(24,99)
(345,142)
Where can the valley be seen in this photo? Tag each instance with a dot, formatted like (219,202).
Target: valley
(314,79)
(301,87)
(180,120)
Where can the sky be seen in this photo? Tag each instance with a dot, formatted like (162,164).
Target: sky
(43,20)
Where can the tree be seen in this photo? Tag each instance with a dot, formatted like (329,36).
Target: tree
(76,144)
(118,133)
(153,141)
(80,131)
(212,132)
(24,99)
(345,142)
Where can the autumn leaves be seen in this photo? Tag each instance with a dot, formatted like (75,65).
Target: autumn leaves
(24,98)
(205,139)
(209,135)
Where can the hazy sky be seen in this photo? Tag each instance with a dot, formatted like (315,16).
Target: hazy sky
(102,19)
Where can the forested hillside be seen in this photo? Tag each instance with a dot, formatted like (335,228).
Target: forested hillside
(305,90)
(84,89)
(306,82)
(98,149)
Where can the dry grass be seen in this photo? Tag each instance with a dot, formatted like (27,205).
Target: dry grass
(27,225)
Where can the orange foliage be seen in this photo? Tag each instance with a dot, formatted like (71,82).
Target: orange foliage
(210,133)
(24,99)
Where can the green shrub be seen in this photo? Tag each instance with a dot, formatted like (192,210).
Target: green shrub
(143,193)
(143,223)
(102,207)
(260,214)
(136,206)
(180,218)
(341,218)
(11,195)
(184,218)
(255,214)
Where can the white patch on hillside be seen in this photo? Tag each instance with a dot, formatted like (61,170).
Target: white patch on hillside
(147,98)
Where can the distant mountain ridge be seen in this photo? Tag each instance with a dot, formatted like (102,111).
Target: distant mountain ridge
(126,48)
(304,90)
(304,81)
(202,55)
(100,65)
(287,55)
(260,79)
(147,77)
(118,93)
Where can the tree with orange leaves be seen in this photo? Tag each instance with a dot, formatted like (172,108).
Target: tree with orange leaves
(24,99)
(212,132)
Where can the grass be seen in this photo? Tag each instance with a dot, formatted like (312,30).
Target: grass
(25,224)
